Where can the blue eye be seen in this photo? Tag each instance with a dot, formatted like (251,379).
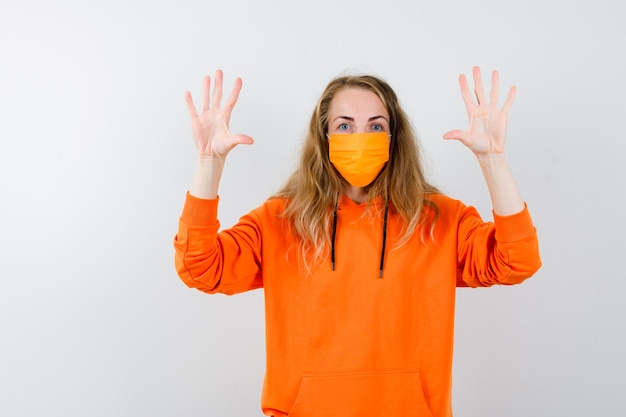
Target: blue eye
(344,126)
(377,128)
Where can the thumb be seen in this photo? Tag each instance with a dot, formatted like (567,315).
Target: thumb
(455,134)
(243,140)
(232,142)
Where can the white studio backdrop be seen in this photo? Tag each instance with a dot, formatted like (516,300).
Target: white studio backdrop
(96,157)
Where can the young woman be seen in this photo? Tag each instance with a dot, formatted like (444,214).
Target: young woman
(358,255)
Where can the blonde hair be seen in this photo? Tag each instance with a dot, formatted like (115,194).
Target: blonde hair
(313,190)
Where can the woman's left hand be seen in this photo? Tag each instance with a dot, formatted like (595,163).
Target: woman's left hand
(486,133)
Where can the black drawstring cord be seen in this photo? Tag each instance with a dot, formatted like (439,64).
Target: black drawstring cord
(382,252)
(332,250)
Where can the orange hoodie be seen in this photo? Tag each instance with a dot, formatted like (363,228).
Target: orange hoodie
(346,342)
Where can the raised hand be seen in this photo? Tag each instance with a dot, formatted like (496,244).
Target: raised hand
(486,134)
(210,128)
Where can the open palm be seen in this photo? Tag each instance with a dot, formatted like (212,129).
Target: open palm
(209,128)
(486,133)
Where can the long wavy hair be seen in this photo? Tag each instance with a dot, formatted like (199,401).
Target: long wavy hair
(313,190)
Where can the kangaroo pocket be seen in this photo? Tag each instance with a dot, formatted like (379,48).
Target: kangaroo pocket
(358,394)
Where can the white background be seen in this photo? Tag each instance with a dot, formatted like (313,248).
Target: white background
(96,157)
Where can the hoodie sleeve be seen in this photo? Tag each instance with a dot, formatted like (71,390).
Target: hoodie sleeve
(225,262)
(505,251)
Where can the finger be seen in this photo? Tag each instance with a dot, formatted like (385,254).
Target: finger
(243,139)
(478,85)
(190,107)
(217,89)
(238,140)
(466,94)
(455,134)
(509,100)
(458,135)
(234,95)
(206,92)
(495,85)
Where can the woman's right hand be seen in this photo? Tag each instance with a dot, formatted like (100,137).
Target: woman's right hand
(210,128)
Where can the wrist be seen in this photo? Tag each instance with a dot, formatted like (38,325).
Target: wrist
(209,159)
(209,163)
(207,177)
(492,162)
(488,158)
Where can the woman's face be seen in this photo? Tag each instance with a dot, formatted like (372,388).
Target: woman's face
(357,110)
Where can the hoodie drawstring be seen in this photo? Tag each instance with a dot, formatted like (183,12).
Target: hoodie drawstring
(332,249)
(382,251)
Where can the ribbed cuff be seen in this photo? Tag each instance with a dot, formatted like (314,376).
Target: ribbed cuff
(199,211)
(515,227)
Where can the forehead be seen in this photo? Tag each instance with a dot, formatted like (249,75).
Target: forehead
(354,101)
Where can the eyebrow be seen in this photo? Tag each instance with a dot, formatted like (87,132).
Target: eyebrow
(369,120)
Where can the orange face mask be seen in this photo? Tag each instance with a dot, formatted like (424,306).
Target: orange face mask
(359,157)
